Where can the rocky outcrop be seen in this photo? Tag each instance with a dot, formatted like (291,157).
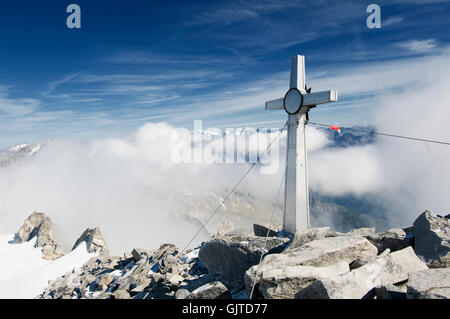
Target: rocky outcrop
(429,284)
(432,239)
(95,243)
(316,263)
(40,226)
(159,276)
(360,283)
(230,256)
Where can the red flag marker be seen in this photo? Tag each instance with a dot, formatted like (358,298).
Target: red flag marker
(335,128)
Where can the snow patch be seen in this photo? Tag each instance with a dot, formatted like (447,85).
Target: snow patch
(24,274)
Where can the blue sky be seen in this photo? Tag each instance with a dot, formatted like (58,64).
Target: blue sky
(137,61)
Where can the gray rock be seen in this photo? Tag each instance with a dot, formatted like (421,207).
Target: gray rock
(40,226)
(324,252)
(230,256)
(393,239)
(95,243)
(286,282)
(212,290)
(360,283)
(306,236)
(429,284)
(432,239)
(262,231)
(319,253)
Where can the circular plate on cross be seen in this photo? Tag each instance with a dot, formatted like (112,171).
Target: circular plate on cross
(293,101)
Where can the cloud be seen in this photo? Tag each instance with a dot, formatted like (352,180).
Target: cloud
(419,46)
(16,106)
(392,21)
(407,177)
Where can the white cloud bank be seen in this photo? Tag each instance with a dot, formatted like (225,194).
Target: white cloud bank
(125,185)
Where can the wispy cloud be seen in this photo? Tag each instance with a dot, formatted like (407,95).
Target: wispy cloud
(392,21)
(419,46)
(16,106)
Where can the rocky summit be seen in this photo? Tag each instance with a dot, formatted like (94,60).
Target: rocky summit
(318,263)
(39,226)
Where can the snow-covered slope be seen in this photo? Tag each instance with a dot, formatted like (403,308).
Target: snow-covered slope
(25,274)
(18,152)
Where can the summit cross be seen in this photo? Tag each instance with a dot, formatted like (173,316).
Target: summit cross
(297,102)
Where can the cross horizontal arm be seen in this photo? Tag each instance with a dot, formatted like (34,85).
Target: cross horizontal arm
(275,104)
(320,98)
(308,100)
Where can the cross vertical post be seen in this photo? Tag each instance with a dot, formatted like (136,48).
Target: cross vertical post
(297,102)
(296,194)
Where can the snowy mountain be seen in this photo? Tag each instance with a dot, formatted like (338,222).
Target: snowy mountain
(19,152)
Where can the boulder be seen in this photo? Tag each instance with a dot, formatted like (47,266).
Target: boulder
(360,283)
(262,231)
(306,236)
(432,239)
(284,283)
(429,284)
(230,256)
(40,226)
(393,239)
(212,290)
(95,243)
(319,253)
